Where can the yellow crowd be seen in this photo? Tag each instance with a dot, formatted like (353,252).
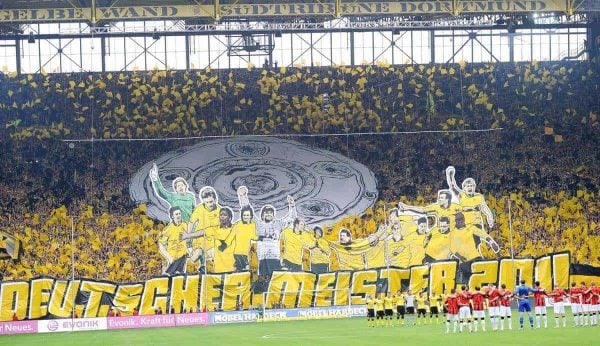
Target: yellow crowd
(157,104)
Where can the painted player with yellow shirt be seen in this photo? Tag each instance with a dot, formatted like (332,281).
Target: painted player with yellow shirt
(386,231)
(243,232)
(443,208)
(348,253)
(319,252)
(293,242)
(222,258)
(224,248)
(474,206)
(438,245)
(204,216)
(171,246)
(395,254)
(374,256)
(462,240)
(415,242)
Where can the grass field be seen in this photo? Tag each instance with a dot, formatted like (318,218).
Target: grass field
(316,332)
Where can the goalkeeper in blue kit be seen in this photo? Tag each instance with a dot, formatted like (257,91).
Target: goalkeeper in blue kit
(522,293)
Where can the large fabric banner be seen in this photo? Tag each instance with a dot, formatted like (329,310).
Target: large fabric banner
(264,205)
(48,298)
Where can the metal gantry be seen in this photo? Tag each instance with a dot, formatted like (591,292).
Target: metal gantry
(121,35)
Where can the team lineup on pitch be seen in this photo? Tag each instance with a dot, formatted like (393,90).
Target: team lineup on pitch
(468,310)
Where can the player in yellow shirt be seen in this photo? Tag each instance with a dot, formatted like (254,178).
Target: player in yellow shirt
(443,208)
(473,202)
(244,232)
(388,305)
(224,261)
(370,311)
(319,252)
(350,254)
(415,242)
(293,242)
(374,256)
(435,303)
(204,216)
(391,253)
(463,243)
(474,206)
(400,307)
(438,245)
(171,246)
(386,231)
(222,258)
(379,311)
(422,306)
(396,253)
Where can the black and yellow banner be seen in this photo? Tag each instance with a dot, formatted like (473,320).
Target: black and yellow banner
(318,8)
(51,298)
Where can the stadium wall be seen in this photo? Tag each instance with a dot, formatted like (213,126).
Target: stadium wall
(176,320)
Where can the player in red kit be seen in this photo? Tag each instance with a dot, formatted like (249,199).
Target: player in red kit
(586,297)
(558,296)
(576,309)
(451,305)
(494,305)
(506,312)
(464,308)
(539,301)
(595,304)
(478,309)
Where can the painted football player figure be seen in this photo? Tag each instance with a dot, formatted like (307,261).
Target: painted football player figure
(473,206)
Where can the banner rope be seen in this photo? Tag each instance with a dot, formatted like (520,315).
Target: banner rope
(291,135)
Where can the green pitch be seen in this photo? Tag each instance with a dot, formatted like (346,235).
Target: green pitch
(316,332)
